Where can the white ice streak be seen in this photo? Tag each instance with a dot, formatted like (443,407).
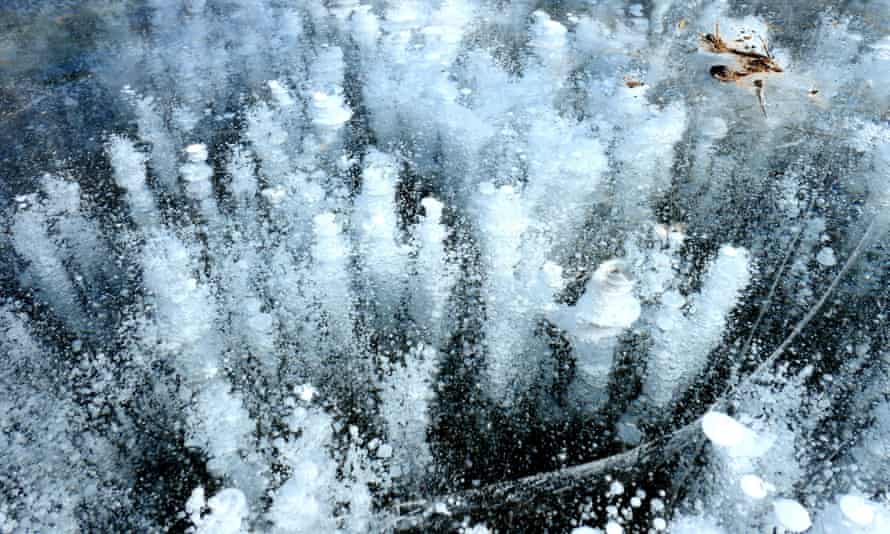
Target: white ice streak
(331,281)
(435,272)
(379,240)
(683,341)
(308,499)
(196,175)
(406,397)
(503,220)
(128,165)
(45,270)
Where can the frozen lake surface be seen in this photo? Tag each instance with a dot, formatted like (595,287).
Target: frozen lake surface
(444,266)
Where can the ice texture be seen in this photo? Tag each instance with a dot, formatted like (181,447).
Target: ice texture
(444,265)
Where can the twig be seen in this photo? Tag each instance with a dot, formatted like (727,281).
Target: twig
(758,88)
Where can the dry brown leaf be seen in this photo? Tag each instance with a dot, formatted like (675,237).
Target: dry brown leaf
(748,61)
